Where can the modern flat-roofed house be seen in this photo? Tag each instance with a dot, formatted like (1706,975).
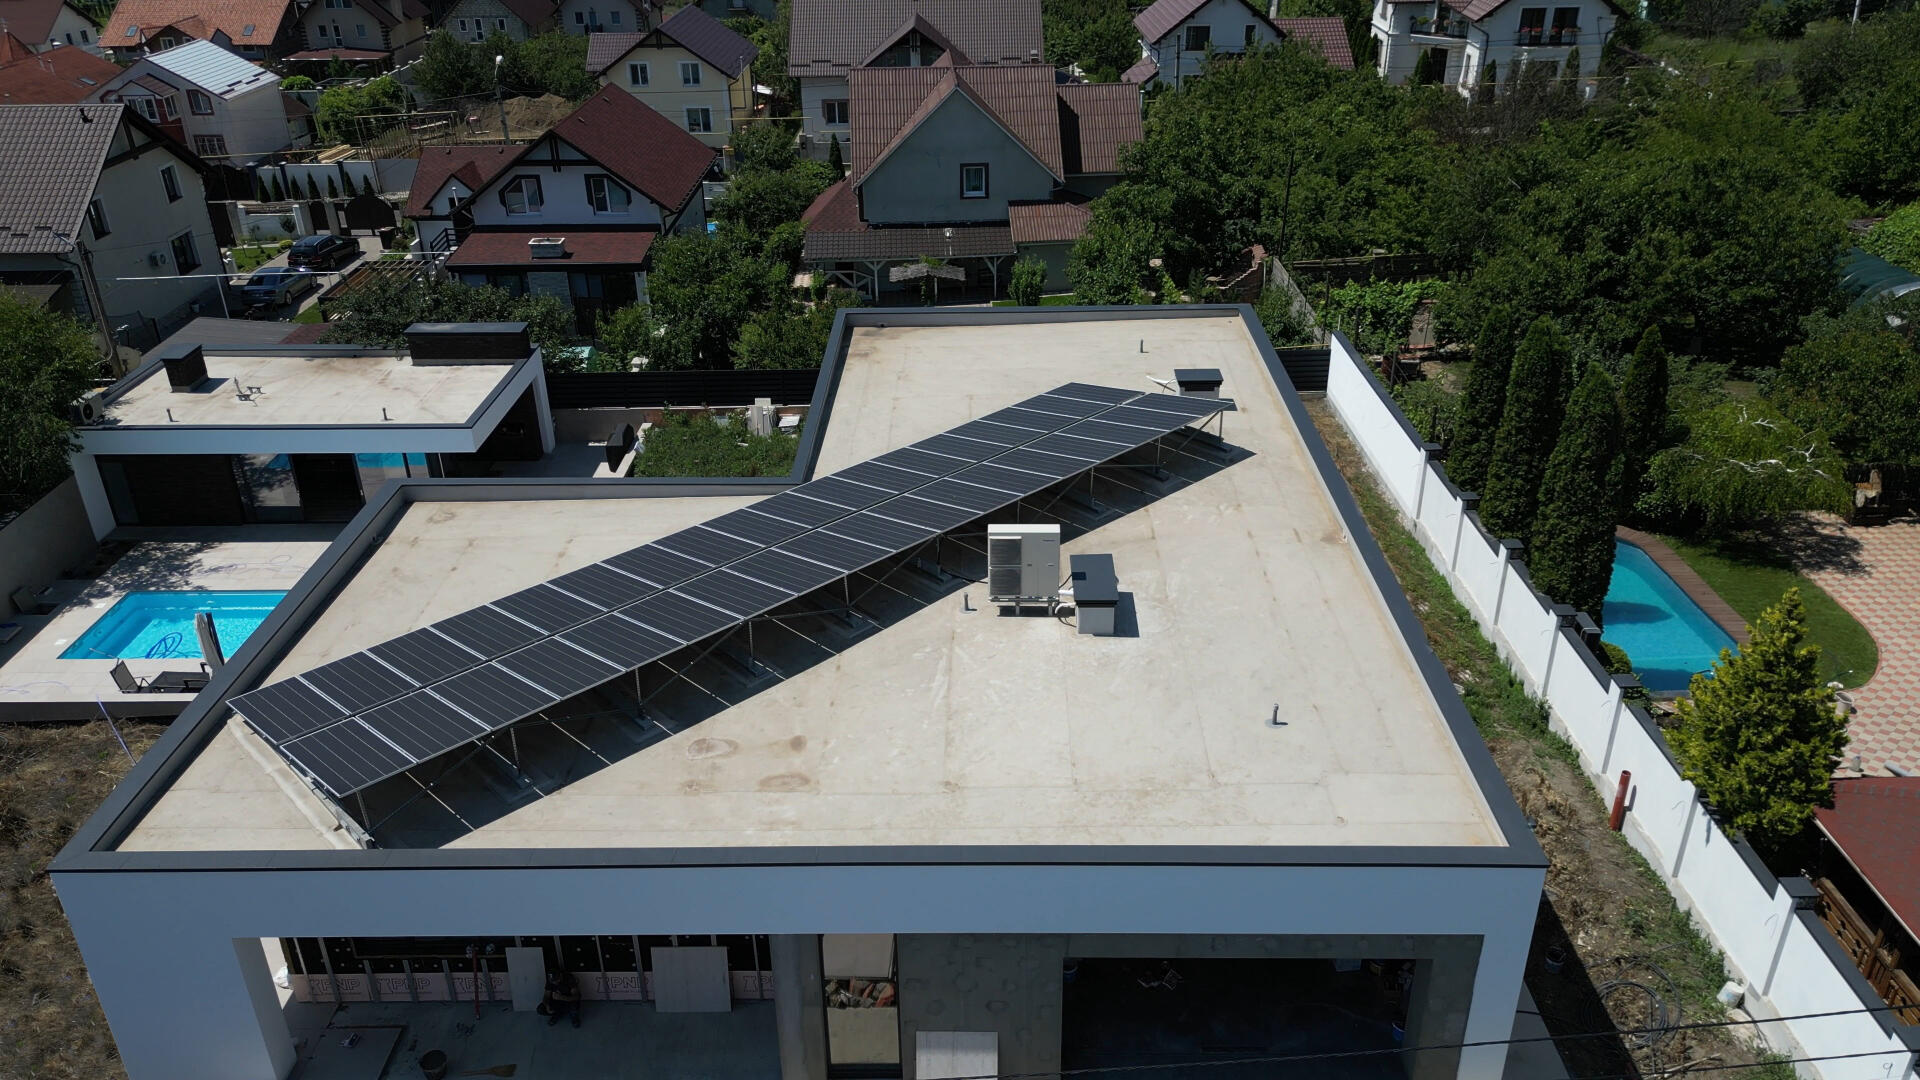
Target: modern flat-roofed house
(59,76)
(787,790)
(102,205)
(255,29)
(48,24)
(387,31)
(971,166)
(302,433)
(691,69)
(473,20)
(1177,36)
(572,214)
(226,109)
(1461,41)
(830,39)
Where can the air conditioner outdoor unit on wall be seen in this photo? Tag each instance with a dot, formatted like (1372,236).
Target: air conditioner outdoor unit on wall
(156,258)
(1023,563)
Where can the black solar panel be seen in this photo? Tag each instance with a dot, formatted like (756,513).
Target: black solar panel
(369,716)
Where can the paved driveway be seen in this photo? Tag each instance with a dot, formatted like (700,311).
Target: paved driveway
(369,250)
(1874,571)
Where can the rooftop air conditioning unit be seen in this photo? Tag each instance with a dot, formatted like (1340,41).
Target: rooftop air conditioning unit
(1023,564)
(91,408)
(547,247)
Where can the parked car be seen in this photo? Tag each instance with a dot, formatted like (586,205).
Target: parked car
(274,286)
(322,253)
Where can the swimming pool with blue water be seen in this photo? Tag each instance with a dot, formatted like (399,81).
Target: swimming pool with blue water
(159,625)
(1666,635)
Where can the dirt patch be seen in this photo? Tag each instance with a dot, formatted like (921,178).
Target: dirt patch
(51,778)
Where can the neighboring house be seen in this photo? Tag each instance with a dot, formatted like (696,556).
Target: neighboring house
(571,215)
(690,69)
(473,20)
(830,39)
(99,201)
(972,165)
(1461,40)
(730,9)
(44,24)
(1177,36)
(59,76)
(229,111)
(255,29)
(393,30)
(606,16)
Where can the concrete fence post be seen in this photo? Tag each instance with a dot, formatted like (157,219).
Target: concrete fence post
(1507,548)
(1469,501)
(1427,451)
(1616,710)
(1796,893)
(1562,614)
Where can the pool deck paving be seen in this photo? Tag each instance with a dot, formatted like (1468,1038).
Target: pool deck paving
(1874,572)
(1690,582)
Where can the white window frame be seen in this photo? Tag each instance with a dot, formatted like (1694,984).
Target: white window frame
(967,192)
(600,195)
(689,73)
(202,144)
(193,249)
(170,183)
(97,219)
(706,120)
(517,188)
(462,24)
(638,74)
(613,16)
(195,98)
(835,105)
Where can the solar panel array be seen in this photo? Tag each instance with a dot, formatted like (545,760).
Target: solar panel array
(358,720)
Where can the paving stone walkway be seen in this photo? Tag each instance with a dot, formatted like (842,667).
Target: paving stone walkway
(1874,572)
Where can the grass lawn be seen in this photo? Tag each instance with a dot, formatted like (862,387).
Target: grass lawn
(1062,300)
(311,315)
(251,256)
(1750,574)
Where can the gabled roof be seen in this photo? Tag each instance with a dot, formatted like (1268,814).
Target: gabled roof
(50,161)
(643,149)
(1327,33)
(12,48)
(950,54)
(1875,822)
(248,23)
(32,20)
(709,39)
(835,232)
(1096,121)
(473,166)
(888,104)
(532,12)
(831,37)
(153,84)
(59,76)
(1059,221)
(605,50)
(1476,10)
(1161,17)
(583,248)
(1142,71)
(213,69)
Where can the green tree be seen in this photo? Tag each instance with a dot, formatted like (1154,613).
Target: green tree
(380,312)
(767,145)
(1572,553)
(1743,464)
(551,63)
(296,82)
(627,334)
(782,339)
(759,200)
(703,291)
(770,66)
(1643,415)
(687,443)
(451,68)
(1529,427)
(1097,35)
(1761,737)
(835,159)
(279,190)
(1858,382)
(1283,324)
(1483,402)
(1027,281)
(313,188)
(47,361)
(1897,239)
(348,113)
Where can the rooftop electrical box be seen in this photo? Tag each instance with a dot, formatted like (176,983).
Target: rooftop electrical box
(1096,593)
(1023,563)
(1198,382)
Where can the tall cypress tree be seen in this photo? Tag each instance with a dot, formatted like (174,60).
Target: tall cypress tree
(1485,397)
(1529,426)
(1643,414)
(1572,557)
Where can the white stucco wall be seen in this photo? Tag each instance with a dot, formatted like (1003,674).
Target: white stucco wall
(143,222)
(613,16)
(1227,22)
(563,196)
(70,28)
(667,95)
(812,93)
(1495,38)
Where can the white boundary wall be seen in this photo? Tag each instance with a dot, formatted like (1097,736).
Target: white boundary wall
(1765,925)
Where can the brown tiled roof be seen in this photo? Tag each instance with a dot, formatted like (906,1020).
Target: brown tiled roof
(1055,222)
(888,103)
(830,37)
(835,233)
(1098,120)
(1327,33)
(950,54)
(231,17)
(1142,71)
(474,165)
(1875,822)
(643,148)
(344,54)
(50,161)
(12,48)
(709,39)
(532,12)
(604,50)
(56,77)
(32,20)
(1480,9)
(1160,17)
(584,247)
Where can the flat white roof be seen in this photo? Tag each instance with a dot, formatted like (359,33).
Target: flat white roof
(953,726)
(304,389)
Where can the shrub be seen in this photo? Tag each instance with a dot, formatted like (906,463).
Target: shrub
(1897,239)
(1028,280)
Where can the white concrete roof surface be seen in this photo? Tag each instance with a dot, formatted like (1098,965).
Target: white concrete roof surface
(305,389)
(958,727)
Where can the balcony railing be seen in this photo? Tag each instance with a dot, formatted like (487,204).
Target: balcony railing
(1452,26)
(1559,35)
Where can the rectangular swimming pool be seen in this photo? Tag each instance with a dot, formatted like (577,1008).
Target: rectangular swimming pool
(159,625)
(1666,635)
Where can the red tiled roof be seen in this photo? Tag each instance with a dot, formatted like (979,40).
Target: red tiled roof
(31,19)
(1047,222)
(830,37)
(643,148)
(888,103)
(1327,33)
(1099,119)
(12,48)
(473,165)
(231,17)
(584,247)
(55,77)
(835,233)
(1875,822)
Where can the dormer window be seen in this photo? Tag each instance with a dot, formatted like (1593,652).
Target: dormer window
(521,195)
(607,195)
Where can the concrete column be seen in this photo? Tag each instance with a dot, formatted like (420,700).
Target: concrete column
(799,1006)
(542,411)
(1496,990)
(93,494)
(1437,1008)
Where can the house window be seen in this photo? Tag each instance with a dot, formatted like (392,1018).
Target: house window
(97,218)
(834,113)
(973,181)
(636,74)
(360,29)
(700,121)
(84,39)
(579,18)
(521,195)
(170,180)
(1533,22)
(167,42)
(210,146)
(614,16)
(689,73)
(463,25)
(499,24)
(1249,38)
(1566,26)
(201,104)
(150,108)
(1198,38)
(607,195)
(186,257)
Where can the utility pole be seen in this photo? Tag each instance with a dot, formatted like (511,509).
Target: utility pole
(498,102)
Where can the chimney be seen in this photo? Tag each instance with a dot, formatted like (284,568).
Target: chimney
(468,343)
(186,366)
